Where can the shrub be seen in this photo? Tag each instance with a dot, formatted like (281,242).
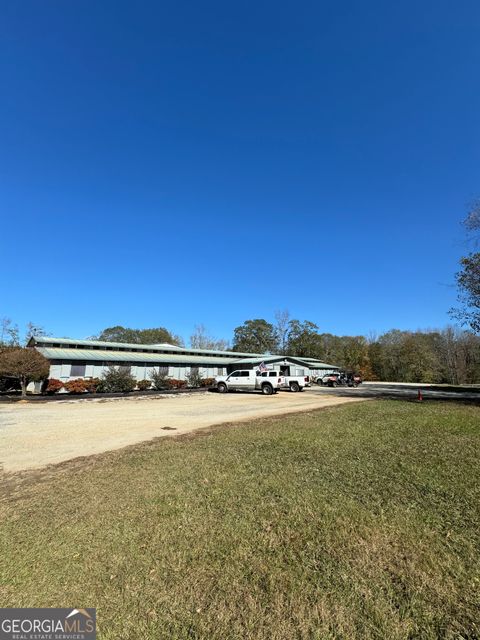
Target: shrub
(91,385)
(177,384)
(75,386)
(101,387)
(53,386)
(159,380)
(9,384)
(208,382)
(143,385)
(118,380)
(194,379)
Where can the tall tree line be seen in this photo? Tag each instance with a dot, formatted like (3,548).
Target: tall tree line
(450,355)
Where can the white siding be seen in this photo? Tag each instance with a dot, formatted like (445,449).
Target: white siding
(55,371)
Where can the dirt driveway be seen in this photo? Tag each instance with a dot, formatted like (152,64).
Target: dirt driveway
(33,435)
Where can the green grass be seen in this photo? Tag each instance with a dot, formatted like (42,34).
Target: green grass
(361,521)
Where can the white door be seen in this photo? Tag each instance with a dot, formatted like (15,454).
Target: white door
(240,380)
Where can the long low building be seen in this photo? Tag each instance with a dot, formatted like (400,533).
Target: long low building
(70,359)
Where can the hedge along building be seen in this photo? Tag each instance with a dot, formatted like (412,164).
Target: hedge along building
(70,359)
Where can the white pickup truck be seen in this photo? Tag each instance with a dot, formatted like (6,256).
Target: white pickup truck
(294,383)
(249,380)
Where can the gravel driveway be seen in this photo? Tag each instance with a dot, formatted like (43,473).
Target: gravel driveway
(33,435)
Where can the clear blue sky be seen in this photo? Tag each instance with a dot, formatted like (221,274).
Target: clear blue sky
(174,163)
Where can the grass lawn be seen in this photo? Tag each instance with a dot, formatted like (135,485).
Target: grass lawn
(361,521)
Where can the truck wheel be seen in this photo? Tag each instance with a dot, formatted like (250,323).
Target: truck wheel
(294,386)
(267,389)
(319,382)
(222,387)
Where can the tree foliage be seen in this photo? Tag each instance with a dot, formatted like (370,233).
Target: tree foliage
(24,364)
(302,338)
(450,355)
(472,221)
(255,336)
(468,282)
(468,278)
(158,335)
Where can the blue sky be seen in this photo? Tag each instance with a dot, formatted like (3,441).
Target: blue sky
(175,163)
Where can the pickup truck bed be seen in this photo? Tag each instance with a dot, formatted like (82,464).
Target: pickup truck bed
(294,383)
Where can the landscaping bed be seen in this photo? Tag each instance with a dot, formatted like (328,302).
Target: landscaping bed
(58,397)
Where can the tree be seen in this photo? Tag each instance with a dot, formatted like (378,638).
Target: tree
(158,335)
(468,282)
(468,279)
(303,338)
(25,364)
(201,340)
(9,333)
(355,355)
(255,336)
(282,330)
(33,331)
(472,221)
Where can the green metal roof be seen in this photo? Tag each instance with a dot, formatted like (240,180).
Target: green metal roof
(128,352)
(259,360)
(91,355)
(316,364)
(137,346)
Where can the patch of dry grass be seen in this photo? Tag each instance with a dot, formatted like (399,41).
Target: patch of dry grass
(360,521)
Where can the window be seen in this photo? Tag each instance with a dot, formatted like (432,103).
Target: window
(163,371)
(78,369)
(244,374)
